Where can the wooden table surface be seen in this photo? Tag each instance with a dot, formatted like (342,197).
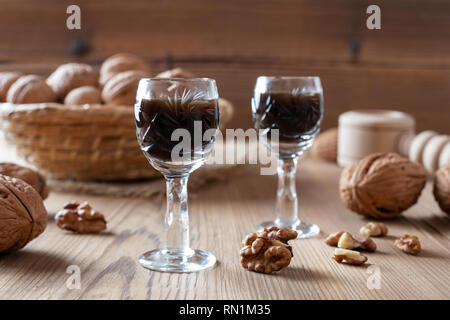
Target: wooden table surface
(221,215)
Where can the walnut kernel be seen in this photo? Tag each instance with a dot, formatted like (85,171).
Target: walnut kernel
(349,256)
(409,244)
(346,241)
(80,218)
(374,229)
(268,250)
(333,238)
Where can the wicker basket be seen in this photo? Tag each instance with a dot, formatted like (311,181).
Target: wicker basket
(89,143)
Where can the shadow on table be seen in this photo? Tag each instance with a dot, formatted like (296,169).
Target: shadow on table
(298,273)
(246,183)
(34,261)
(439,223)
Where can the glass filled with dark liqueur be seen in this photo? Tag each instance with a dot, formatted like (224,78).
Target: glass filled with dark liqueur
(287,112)
(176,124)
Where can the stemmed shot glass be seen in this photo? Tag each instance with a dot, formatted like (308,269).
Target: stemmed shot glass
(287,112)
(176,124)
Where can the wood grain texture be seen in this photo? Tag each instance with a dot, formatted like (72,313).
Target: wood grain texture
(221,215)
(404,66)
(305,30)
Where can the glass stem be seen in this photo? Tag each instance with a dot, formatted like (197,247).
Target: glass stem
(177,217)
(286,207)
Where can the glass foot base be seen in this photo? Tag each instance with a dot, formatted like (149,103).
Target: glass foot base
(164,260)
(304,229)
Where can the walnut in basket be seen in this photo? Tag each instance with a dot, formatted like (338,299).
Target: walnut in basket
(70,76)
(121,88)
(175,73)
(83,95)
(6,80)
(119,63)
(30,89)
(99,141)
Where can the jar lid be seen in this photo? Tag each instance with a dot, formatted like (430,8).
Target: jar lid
(376,118)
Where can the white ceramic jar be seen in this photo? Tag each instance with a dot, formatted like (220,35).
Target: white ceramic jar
(362,132)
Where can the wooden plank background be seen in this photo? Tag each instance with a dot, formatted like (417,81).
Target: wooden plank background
(405,65)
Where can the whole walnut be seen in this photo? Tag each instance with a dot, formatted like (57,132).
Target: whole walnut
(84,95)
(325,145)
(70,76)
(22,214)
(121,89)
(175,73)
(33,178)
(441,188)
(119,63)
(382,185)
(30,89)
(6,80)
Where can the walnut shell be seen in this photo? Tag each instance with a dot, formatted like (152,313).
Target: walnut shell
(22,214)
(121,89)
(6,80)
(119,63)
(175,73)
(84,95)
(70,76)
(382,185)
(325,145)
(441,188)
(30,89)
(33,178)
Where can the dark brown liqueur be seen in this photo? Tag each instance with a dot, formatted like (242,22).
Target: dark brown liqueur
(294,115)
(156,120)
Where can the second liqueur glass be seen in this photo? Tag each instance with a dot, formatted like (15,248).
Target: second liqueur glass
(176,124)
(288,112)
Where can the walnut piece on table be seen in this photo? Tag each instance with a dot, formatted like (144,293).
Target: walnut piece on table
(333,239)
(408,244)
(80,218)
(374,229)
(349,256)
(268,250)
(345,240)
